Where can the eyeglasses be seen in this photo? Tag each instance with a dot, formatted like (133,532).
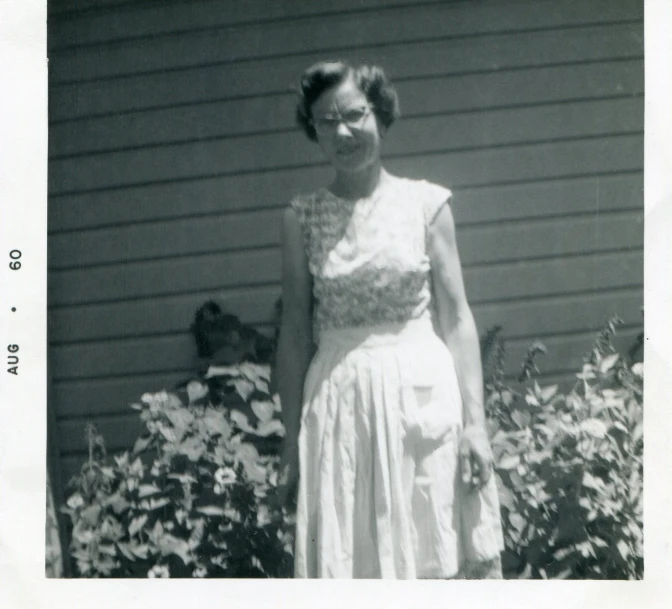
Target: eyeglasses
(352,117)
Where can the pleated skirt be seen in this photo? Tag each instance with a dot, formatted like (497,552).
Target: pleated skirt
(380,494)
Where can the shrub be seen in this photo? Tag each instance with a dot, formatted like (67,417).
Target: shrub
(569,466)
(203,507)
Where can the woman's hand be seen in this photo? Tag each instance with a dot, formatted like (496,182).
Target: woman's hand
(288,479)
(476,458)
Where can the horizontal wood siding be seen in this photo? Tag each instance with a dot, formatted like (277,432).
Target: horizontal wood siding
(172,153)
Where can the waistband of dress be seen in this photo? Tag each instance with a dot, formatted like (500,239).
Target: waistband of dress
(371,336)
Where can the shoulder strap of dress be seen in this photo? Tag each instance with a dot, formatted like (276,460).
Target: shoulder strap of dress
(434,197)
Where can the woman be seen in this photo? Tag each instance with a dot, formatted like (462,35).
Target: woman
(385,429)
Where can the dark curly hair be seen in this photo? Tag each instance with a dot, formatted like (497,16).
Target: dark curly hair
(371,80)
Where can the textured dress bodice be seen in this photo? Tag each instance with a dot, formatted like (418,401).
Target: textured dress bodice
(368,257)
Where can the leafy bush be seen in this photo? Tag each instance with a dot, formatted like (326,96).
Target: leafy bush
(194,497)
(203,508)
(569,466)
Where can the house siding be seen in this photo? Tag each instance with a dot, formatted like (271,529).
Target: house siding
(172,153)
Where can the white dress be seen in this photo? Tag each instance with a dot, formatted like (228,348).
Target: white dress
(379,492)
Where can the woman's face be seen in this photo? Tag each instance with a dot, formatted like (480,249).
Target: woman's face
(347,128)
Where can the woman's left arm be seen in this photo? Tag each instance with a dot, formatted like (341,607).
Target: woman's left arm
(458,331)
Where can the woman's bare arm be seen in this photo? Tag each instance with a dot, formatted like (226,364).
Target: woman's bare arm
(295,344)
(458,330)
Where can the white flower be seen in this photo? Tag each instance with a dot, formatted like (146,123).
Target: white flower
(159,571)
(199,572)
(76,501)
(225,476)
(638,370)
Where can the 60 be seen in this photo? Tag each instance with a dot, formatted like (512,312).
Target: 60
(15,265)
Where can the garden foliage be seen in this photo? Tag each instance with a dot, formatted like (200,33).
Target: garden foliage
(569,466)
(195,496)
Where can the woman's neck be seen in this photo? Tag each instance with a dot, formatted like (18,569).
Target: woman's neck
(359,185)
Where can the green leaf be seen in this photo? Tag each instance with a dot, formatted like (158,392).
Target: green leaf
(110,550)
(624,549)
(118,503)
(155,504)
(144,490)
(181,419)
(91,514)
(586,549)
(157,532)
(169,433)
(244,387)
(509,462)
(258,373)
(521,419)
(214,371)
(140,550)
(124,549)
(270,428)
(196,391)
(264,410)
(620,426)
(168,544)
(608,363)
(136,524)
(590,481)
(548,393)
(182,478)
(111,529)
(241,421)
(80,555)
(106,565)
(594,428)
(137,468)
(531,399)
(517,521)
(506,498)
(141,444)
(216,423)
(193,448)
(211,510)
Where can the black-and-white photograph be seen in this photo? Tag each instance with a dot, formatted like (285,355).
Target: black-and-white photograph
(345,289)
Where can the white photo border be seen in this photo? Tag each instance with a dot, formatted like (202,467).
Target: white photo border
(23,228)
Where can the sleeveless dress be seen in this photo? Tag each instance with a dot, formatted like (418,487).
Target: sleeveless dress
(380,494)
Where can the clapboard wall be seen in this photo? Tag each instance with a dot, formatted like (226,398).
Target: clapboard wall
(172,152)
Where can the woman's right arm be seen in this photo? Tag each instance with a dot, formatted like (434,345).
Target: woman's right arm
(295,344)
